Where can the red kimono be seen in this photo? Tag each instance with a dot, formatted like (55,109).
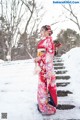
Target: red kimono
(46,95)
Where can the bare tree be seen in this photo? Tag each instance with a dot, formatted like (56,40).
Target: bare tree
(12,14)
(2,27)
(16,13)
(30,6)
(32,23)
(73,17)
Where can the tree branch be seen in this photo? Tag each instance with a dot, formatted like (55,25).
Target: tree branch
(30,16)
(74,16)
(27,5)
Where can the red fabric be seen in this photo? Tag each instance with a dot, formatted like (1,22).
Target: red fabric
(47,44)
(46,77)
(53,93)
(40,44)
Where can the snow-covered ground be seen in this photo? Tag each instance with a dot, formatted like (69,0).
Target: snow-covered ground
(18,89)
(72,63)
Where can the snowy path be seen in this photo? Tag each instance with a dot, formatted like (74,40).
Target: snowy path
(18,91)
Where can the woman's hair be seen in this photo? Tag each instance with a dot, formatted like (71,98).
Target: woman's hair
(48,28)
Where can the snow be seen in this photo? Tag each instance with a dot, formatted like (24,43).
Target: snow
(18,89)
(1,61)
(72,63)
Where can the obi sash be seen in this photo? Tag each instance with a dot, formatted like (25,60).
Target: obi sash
(40,51)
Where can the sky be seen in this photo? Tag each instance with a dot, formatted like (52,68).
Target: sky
(56,13)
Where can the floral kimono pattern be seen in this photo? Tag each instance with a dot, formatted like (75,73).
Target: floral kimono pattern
(46,95)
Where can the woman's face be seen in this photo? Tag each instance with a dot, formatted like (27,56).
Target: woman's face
(44,33)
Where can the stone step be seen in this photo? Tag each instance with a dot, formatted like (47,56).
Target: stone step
(62,84)
(60,72)
(58,68)
(65,106)
(63,77)
(62,93)
(58,64)
(57,58)
(58,61)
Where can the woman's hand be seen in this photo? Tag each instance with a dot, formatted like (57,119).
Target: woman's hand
(36,59)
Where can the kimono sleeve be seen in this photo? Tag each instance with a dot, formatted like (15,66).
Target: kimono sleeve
(49,60)
(50,49)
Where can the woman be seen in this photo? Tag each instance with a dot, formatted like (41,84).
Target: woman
(46,95)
